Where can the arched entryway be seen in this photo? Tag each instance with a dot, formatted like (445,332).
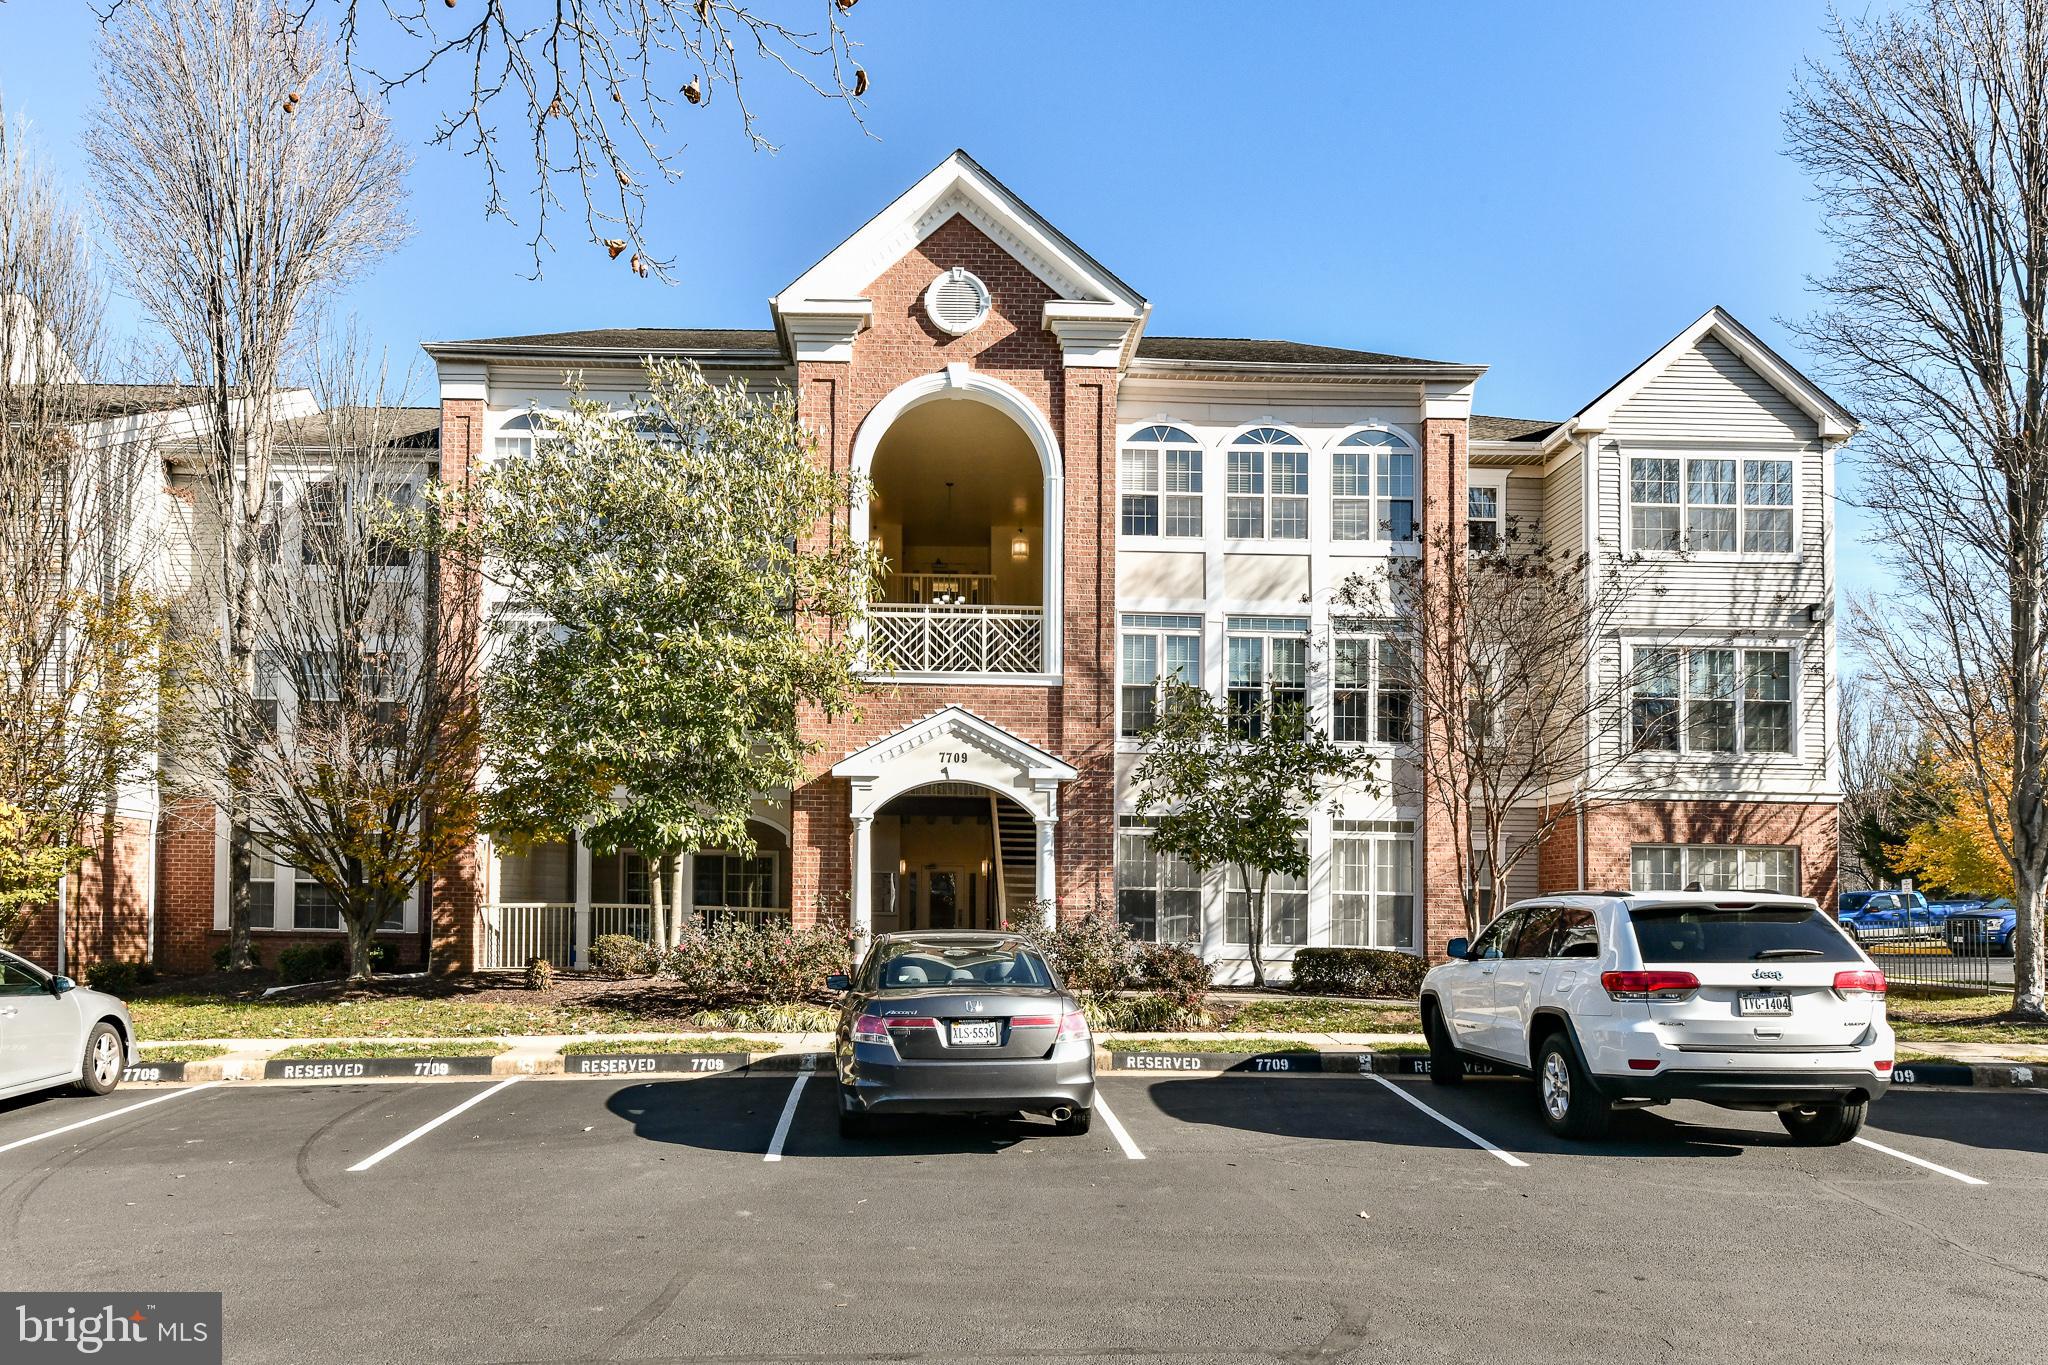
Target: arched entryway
(952,855)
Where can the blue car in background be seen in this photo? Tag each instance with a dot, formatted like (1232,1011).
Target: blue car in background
(1981,928)
(1888,916)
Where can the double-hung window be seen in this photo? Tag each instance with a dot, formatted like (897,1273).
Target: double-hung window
(1394,698)
(1715,867)
(1160,477)
(1710,503)
(1268,668)
(1372,695)
(1156,648)
(1372,487)
(1372,884)
(728,881)
(1158,895)
(1718,700)
(1267,493)
(1286,922)
(1482,517)
(320,521)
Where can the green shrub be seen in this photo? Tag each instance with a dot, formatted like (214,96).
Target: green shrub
(119,978)
(1145,1014)
(1094,955)
(772,1018)
(220,958)
(540,974)
(324,961)
(617,956)
(738,963)
(1374,972)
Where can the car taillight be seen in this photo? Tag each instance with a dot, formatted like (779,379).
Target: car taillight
(1650,985)
(1074,1025)
(870,1028)
(1034,1021)
(1884,1066)
(1862,981)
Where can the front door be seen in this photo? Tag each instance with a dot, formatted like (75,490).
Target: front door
(943,892)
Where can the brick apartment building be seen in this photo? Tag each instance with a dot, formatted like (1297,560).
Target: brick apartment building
(1072,506)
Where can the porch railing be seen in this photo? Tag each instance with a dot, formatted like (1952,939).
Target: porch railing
(517,930)
(955,639)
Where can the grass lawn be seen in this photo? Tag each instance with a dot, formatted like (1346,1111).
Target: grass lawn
(352,1052)
(181,1052)
(1964,1018)
(1324,1016)
(1232,1045)
(172,1017)
(641,1046)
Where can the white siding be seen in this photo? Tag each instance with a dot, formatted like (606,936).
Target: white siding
(1709,394)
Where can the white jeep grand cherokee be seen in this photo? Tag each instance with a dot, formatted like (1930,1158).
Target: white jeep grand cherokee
(1744,1000)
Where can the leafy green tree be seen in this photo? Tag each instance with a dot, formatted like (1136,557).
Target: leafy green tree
(673,606)
(1227,789)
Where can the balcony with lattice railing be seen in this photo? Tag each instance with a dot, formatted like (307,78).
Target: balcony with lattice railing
(955,638)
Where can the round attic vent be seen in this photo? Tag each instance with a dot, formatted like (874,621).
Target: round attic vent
(957,301)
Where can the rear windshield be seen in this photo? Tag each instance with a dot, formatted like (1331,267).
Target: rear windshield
(912,965)
(1692,933)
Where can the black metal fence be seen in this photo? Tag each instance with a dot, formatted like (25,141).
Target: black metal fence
(1930,962)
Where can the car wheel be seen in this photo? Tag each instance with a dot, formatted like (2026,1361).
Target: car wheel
(1076,1124)
(853,1123)
(1825,1125)
(104,1060)
(1571,1106)
(1446,1067)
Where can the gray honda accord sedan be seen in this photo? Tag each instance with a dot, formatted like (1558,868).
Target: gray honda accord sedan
(961,1023)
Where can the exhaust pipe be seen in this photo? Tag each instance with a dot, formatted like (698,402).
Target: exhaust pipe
(1062,1113)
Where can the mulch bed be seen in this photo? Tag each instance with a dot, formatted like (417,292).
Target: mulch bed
(662,1004)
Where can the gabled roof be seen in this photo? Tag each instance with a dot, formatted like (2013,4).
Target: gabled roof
(1834,420)
(958,185)
(1530,430)
(957,722)
(723,345)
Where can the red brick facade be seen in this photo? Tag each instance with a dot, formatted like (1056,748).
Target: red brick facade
(455,894)
(107,903)
(1611,830)
(1442,833)
(1075,720)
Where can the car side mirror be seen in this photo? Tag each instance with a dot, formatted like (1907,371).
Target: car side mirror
(838,982)
(1459,947)
(61,984)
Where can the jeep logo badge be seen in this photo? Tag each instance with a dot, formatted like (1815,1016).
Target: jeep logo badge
(1766,974)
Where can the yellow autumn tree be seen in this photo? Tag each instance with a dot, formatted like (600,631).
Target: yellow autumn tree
(1963,847)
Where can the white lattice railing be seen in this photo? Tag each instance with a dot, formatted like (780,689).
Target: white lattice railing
(917,639)
(515,931)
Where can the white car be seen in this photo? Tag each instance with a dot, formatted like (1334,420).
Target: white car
(55,1032)
(1743,1000)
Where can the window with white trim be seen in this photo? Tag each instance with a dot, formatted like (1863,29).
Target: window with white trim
(516,435)
(1710,503)
(1372,696)
(1267,486)
(1714,700)
(1155,648)
(1267,667)
(1158,895)
(1159,474)
(1483,516)
(1372,884)
(1714,867)
(726,880)
(1372,487)
(1286,910)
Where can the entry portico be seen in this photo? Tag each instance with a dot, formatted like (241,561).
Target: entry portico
(952,748)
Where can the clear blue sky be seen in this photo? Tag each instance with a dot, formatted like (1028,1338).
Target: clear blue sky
(1552,190)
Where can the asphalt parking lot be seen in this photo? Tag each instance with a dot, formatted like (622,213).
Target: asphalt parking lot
(1229,1218)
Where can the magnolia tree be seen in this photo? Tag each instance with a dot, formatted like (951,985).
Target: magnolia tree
(1224,788)
(671,610)
(1927,135)
(358,765)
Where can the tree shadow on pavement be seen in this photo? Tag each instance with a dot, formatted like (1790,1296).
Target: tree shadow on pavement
(740,1114)
(2013,1121)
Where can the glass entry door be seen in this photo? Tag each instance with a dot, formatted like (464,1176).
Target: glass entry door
(943,904)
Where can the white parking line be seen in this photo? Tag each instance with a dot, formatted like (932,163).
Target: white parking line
(430,1125)
(1919,1161)
(1460,1129)
(1117,1129)
(788,1115)
(110,1114)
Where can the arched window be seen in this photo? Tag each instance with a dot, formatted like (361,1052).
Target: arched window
(516,433)
(1372,487)
(1268,486)
(1160,476)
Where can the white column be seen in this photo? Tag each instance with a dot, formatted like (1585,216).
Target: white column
(1046,891)
(581,956)
(863,875)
